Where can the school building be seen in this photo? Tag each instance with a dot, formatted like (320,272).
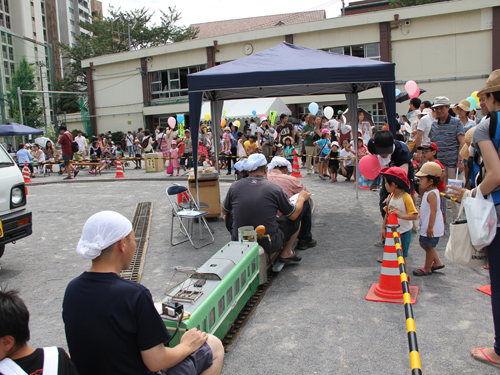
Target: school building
(448,48)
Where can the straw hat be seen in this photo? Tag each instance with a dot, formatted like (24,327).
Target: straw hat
(492,84)
(429,169)
(464,152)
(464,104)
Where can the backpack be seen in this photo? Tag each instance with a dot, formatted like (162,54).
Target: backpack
(145,142)
(478,170)
(74,145)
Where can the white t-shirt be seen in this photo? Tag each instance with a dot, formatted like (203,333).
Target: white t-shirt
(425,125)
(425,214)
(82,143)
(345,154)
(413,125)
(130,140)
(253,128)
(334,125)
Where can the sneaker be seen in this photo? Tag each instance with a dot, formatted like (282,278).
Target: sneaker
(380,259)
(379,244)
(306,244)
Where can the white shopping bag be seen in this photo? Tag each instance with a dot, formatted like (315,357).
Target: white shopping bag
(481,219)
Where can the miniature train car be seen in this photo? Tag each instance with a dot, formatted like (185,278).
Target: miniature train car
(213,296)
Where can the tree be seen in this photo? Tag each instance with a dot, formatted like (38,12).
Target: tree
(409,3)
(99,43)
(25,78)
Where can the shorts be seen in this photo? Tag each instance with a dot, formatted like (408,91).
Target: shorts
(67,159)
(443,204)
(323,158)
(428,242)
(405,242)
(194,364)
(287,228)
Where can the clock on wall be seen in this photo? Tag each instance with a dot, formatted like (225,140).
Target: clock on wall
(248,49)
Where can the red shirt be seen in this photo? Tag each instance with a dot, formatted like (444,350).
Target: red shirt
(65,141)
(441,186)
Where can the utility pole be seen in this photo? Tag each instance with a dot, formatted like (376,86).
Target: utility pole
(343,8)
(20,106)
(2,102)
(41,64)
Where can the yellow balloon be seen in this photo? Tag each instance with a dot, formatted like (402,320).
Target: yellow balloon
(474,95)
(207,116)
(237,123)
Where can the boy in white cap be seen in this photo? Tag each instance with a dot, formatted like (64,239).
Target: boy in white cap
(112,326)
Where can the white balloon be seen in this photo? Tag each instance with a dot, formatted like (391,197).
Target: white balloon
(328,112)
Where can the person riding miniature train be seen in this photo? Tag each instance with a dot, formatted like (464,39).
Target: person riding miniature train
(255,201)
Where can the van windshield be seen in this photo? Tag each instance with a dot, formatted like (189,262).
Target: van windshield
(5,160)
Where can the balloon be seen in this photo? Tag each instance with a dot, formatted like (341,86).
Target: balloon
(263,118)
(474,95)
(328,112)
(275,134)
(411,87)
(171,122)
(207,116)
(369,167)
(180,119)
(222,121)
(473,102)
(313,108)
(415,94)
(398,92)
(254,112)
(236,123)
(262,115)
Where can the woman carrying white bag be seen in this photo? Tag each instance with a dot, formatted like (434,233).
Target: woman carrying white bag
(483,142)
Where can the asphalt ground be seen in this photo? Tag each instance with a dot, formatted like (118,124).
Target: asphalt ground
(313,320)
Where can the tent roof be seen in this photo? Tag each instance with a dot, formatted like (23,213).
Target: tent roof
(289,70)
(242,108)
(13,128)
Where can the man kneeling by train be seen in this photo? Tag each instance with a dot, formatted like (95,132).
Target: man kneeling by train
(112,326)
(278,172)
(255,201)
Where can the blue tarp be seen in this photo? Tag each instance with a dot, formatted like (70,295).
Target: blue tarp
(15,129)
(289,70)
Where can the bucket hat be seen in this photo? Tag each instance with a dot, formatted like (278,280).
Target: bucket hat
(429,169)
(440,101)
(492,84)
(396,175)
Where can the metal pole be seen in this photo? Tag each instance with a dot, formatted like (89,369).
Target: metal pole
(40,64)
(2,102)
(53,84)
(20,107)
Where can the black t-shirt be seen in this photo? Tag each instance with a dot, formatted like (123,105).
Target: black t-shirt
(108,322)
(255,201)
(33,364)
(399,157)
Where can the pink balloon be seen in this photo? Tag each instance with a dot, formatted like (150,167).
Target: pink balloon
(171,122)
(416,94)
(411,87)
(275,134)
(262,115)
(369,167)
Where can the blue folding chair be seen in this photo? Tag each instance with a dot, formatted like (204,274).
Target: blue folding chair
(187,212)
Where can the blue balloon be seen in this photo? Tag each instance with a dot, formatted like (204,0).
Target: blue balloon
(313,108)
(398,92)
(254,112)
(180,119)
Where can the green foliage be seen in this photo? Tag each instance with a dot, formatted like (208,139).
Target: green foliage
(142,35)
(409,3)
(117,137)
(25,78)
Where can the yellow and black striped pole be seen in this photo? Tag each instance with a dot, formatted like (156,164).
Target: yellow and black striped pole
(416,367)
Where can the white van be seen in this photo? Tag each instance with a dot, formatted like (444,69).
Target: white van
(15,220)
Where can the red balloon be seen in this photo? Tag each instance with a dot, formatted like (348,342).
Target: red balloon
(369,167)
(415,94)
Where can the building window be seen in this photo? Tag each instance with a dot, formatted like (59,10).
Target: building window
(7,81)
(44,35)
(171,83)
(11,53)
(71,22)
(369,51)
(73,34)
(43,21)
(34,34)
(4,51)
(6,6)
(9,39)
(1,20)
(7,22)
(43,8)
(6,67)
(12,68)
(71,11)
(4,38)
(31,2)
(33,19)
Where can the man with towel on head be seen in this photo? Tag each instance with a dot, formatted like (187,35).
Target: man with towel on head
(255,201)
(112,326)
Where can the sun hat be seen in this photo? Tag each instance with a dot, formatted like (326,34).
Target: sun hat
(173,143)
(335,143)
(464,152)
(325,131)
(430,169)
(187,131)
(464,104)
(279,145)
(136,141)
(440,101)
(492,84)
(431,145)
(279,161)
(427,111)
(396,175)
(288,137)
(227,129)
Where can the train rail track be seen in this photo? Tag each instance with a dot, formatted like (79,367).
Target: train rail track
(141,223)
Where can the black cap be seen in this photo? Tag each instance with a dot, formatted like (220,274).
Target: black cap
(383,142)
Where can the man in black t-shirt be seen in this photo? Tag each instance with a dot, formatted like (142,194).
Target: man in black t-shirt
(112,326)
(15,353)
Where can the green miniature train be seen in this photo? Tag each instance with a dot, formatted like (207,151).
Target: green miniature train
(211,298)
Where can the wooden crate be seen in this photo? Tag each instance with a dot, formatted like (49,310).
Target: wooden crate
(209,193)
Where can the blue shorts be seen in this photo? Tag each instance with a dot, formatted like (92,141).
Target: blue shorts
(428,242)
(194,364)
(405,242)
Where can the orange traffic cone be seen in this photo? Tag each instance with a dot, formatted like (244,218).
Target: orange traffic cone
(485,289)
(295,166)
(207,160)
(26,174)
(119,170)
(389,288)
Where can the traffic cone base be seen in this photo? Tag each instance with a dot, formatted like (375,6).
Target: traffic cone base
(119,170)
(26,174)
(485,289)
(376,294)
(295,166)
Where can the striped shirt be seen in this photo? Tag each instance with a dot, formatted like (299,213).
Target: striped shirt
(445,135)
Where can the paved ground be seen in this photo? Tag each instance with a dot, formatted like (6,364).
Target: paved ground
(313,320)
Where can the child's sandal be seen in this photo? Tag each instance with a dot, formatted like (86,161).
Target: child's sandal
(421,272)
(434,268)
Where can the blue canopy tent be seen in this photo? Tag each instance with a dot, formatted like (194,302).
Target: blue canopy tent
(289,70)
(15,129)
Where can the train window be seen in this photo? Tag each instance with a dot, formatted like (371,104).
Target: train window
(249,271)
(253,266)
(229,295)
(243,278)
(211,318)
(198,327)
(221,306)
(236,287)
(204,325)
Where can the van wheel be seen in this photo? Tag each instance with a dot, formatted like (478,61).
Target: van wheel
(2,248)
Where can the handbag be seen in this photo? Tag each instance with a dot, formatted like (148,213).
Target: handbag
(481,218)
(459,248)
